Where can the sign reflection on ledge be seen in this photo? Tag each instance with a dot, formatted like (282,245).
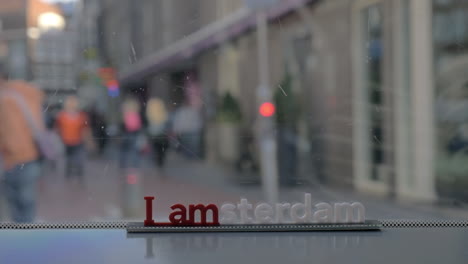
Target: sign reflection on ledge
(303,244)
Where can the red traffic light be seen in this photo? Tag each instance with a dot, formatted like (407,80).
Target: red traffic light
(267,109)
(112,85)
(132,179)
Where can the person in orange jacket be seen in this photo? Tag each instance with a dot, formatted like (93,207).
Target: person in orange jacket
(73,128)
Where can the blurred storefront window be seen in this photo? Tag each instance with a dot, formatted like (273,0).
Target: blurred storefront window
(451,95)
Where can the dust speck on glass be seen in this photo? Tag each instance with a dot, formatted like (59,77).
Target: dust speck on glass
(104,102)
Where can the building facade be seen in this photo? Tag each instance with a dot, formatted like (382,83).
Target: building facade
(14,38)
(56,52)
(38,41)
(92,90)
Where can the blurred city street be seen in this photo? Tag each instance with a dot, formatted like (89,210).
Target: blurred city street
(359,100)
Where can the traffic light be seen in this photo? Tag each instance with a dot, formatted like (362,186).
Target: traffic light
(112,88)
(267,109)
(109,79)
(132,179)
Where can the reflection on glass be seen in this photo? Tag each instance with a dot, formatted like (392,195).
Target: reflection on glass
(303,245)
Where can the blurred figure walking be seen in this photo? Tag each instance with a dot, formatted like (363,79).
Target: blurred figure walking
(188,127)
(99,126)
(72,125)
(130,156)
(157,117)
(132,128)
(20,117)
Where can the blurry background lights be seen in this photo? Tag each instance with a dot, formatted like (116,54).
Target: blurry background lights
(267,109)
(34,33)
(51,20)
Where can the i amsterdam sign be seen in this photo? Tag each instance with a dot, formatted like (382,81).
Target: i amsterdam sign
(245,216)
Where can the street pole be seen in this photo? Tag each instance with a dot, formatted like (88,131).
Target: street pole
(266,126)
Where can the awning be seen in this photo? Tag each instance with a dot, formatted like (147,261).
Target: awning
(206,38)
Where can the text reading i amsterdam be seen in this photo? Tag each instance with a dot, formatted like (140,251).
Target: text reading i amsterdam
(262,213)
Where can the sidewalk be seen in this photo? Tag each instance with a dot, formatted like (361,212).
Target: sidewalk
(184,181)
(106,190)
(221,178)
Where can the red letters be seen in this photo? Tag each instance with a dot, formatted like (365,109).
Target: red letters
(149,211)
(182,215)
(203,212)
(179,215)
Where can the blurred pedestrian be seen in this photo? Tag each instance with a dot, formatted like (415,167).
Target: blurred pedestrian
(132,128)
(131,146)
(98,126)
(157,116)
(72,125)
(287,115)
(20,118)
(50,114)
(187,125)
